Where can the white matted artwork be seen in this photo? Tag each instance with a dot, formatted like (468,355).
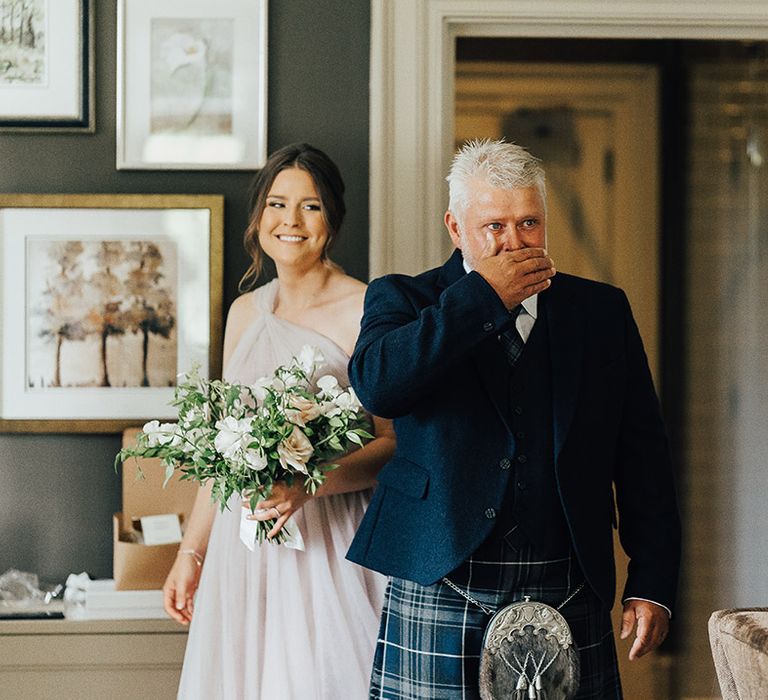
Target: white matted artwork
(192,85)
(105,300)
(101,313)
(24,42)
(46,65)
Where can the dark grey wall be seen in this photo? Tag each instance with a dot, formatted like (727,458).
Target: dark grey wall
(57,492)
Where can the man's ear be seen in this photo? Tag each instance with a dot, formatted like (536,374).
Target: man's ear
(452,224)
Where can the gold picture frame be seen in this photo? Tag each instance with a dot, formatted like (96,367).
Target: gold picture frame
(104,300)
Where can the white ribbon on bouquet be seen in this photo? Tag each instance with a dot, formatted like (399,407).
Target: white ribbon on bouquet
(249,532)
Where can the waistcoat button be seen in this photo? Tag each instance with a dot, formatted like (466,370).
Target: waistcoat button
(488,326)
(522,459)
(490,513)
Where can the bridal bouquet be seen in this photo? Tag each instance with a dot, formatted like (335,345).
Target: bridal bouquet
(244,438)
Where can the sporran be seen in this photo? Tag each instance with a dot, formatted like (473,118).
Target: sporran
(528,651)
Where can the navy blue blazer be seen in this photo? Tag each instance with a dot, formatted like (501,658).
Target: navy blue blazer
(427,356)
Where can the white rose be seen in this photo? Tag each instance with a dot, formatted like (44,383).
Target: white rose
(255,459)
(289,380)
(294,452)
(150,429)
(259,388)
(354,402)
(310,358)
(161,433)
(233,436)
(348,401)
(329,385)
(329,409)
(170,434)
(302,410)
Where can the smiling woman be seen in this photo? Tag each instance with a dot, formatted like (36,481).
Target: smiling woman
(289,609)
(292,226)
(308,177)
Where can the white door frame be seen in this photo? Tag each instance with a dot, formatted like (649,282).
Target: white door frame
(412,67)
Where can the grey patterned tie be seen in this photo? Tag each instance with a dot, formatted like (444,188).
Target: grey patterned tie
(510,339)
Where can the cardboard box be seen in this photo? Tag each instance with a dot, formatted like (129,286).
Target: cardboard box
(139,566)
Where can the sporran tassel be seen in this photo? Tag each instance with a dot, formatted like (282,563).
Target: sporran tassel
(521,687)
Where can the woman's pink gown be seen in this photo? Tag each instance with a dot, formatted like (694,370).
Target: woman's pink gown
(277,623)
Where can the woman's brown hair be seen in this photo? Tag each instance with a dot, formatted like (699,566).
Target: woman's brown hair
(330,187)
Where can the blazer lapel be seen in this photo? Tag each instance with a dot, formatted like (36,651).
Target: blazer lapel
(566,339)
(489,360)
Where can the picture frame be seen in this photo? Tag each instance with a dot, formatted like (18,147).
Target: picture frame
(191,85)
(47,66)
(104,300)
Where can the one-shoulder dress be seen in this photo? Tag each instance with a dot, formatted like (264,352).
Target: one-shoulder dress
(279,623)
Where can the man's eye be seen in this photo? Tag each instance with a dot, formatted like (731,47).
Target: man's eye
(495,227)
(530,223)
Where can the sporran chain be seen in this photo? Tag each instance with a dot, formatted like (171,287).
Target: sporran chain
(489,611)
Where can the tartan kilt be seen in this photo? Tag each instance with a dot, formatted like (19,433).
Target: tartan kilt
(430,637)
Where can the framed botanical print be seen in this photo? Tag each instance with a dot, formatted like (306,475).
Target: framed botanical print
(104,300)
(192,84)
(46,65)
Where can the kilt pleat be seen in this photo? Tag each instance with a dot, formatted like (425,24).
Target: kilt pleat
(430,636)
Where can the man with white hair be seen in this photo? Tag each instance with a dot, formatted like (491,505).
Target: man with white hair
(521,399)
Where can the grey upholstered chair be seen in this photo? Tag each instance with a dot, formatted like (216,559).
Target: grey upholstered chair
(739,640)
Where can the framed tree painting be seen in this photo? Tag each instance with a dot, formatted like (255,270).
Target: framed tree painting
(46,65)
(104,300)
(192,84)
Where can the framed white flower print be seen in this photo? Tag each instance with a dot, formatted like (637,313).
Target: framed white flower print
(192,84)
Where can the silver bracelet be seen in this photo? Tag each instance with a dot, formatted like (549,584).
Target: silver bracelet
(199,558)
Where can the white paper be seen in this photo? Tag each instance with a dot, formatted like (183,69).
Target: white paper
(249,530)
(80,612)
(161,529)
(101,594)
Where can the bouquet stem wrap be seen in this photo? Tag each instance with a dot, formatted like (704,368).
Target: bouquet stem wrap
(252,533)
